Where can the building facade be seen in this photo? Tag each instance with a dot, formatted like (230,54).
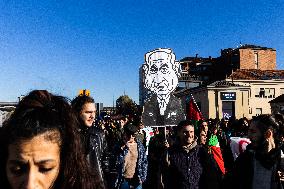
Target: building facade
(209,70)
(247,95)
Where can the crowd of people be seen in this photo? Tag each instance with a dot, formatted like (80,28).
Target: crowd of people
(50,142)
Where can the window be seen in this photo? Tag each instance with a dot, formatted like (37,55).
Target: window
(258,111)
(256,60)
(261,92)
(271,93)
(265,93)
(181,84)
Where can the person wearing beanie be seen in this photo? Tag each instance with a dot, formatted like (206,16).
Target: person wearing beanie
(132,161)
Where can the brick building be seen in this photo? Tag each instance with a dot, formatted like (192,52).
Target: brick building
(246,74)
(245,57)
(209,70)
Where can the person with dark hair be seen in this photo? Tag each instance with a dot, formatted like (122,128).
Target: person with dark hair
(204,127)
(187,165)
(141,134)
(257,167)
(93,139)
(40,149)
(132,161)
(120,129)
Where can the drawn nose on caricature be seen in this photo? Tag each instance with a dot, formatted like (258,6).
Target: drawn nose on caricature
(158,80)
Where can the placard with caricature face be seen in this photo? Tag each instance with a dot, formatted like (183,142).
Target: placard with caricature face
(161,72)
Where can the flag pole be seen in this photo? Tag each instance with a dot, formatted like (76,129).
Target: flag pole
(165,129)
(195,102)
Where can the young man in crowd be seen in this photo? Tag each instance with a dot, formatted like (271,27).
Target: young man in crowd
(186,164)
(92,138)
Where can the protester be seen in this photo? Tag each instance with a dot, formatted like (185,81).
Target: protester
(157,147)
(132,161)
(187,165)
(204,127)
(93,138)
(40,148)
(257,167)
(141,134)
(120,130)
(215,149)
(224,134)
(202,138)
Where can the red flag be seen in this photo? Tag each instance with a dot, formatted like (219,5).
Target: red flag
(193,112)
(217,154)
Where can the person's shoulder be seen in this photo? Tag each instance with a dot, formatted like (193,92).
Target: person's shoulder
(96,131)
(202,150)
(139,144)
(176,148)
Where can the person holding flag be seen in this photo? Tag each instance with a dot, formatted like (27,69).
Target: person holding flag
(215,150)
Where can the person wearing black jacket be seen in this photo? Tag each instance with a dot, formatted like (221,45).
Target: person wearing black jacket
(258,166)
(187,165)
(92,138)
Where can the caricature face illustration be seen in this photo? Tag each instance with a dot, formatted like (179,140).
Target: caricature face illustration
(161,71)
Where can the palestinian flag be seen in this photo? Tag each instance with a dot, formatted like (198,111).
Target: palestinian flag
(216,152)
(193,112)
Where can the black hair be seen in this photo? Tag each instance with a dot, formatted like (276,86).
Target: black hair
(41,112)
(130,129)
(274,122)
(184,123)
(78,102)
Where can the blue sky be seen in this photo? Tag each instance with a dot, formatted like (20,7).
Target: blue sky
(65,46)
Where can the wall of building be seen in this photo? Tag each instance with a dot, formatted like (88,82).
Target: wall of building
(266,59)
(241,103)
(247,103)
(257,101)
(263,102)
(216,104)
(211,103)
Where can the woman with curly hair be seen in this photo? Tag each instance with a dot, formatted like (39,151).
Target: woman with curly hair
(40,148)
